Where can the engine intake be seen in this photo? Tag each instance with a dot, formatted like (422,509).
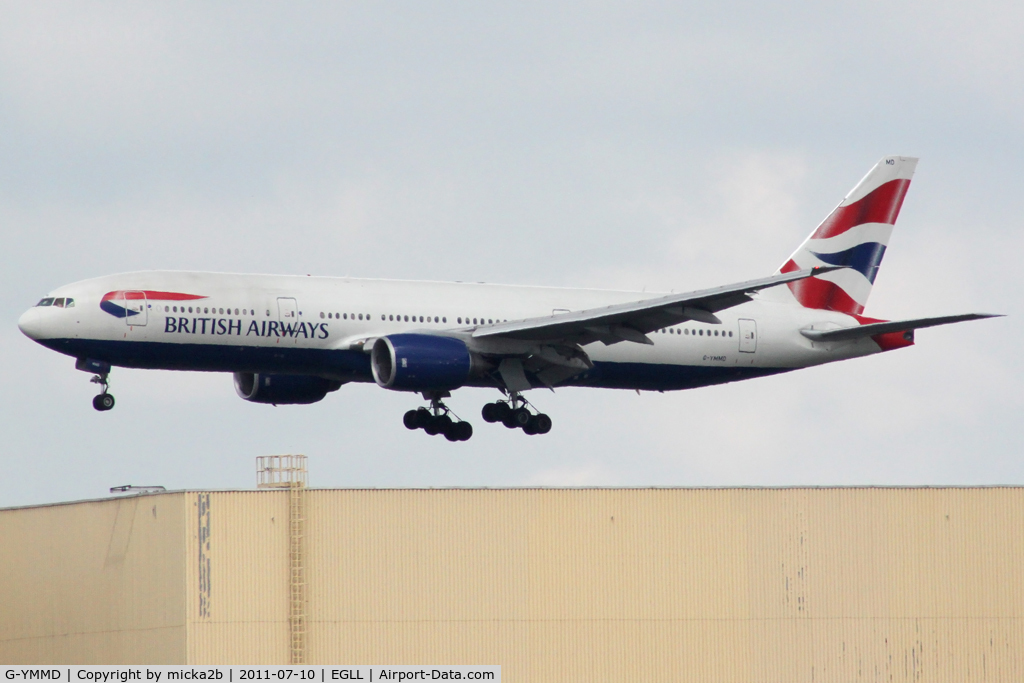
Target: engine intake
(422,362)
(283,389)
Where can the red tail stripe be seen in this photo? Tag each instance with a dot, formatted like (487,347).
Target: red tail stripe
(881,205)
(814,293)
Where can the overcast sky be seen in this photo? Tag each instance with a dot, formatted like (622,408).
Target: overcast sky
(637,145)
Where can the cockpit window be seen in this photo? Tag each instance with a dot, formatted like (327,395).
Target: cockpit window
(69,303)
(59,303)
(45,302)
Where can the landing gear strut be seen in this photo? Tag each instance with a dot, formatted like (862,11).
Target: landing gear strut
(104,401)
(514,414)
(437,419)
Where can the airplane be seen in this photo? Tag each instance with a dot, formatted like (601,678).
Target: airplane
(293,339)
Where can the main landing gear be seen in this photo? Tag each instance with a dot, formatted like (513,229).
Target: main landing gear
(104,401)
(514,414)
(437,419)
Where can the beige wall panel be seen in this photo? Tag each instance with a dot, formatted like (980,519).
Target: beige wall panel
(237,577)
(93,582)
(740,584)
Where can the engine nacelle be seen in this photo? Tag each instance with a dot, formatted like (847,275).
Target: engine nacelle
(422,362)
(259,387)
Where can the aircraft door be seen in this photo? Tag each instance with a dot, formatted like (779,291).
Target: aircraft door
(287,309)
(137,306)
(748,335)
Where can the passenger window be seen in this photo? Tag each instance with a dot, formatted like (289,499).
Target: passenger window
(322,315)
(406,318)
(167,309)
(700,332)
(344,316)
(444,320)
(730,334)
(460,320)
(360,316)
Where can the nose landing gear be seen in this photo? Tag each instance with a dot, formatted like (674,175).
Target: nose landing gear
(103,401)
(438,420)
(514,414)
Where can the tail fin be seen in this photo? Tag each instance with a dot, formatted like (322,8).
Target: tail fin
(855,234)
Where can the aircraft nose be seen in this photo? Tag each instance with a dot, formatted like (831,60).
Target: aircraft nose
(31,324)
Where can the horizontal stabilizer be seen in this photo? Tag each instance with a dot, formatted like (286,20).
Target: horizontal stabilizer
(871,329)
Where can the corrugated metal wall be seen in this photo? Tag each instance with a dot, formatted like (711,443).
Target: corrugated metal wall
(727,585)
(95,582)
(560,584)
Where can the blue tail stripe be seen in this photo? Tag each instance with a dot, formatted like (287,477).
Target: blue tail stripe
(864,258)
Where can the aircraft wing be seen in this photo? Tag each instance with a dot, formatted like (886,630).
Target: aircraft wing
(632,321)
(871,329)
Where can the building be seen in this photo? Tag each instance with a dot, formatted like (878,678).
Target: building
(795,584)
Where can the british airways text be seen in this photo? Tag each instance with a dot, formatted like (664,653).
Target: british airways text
(262,328)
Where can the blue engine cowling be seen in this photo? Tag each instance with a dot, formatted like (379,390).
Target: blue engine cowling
(421,362)
(259,387)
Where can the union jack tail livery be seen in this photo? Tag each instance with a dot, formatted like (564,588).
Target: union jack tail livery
(854,235)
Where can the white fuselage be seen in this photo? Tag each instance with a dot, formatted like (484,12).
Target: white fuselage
(315,325)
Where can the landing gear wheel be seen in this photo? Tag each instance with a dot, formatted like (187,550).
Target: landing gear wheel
(459,431)
(501,411)
(103,402)
(433,427)
(451,432)
(521,417)
(490,412)
(543,423)
(411,419)
(531,426)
